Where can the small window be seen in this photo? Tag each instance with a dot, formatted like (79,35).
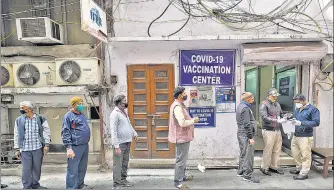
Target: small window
(94,112)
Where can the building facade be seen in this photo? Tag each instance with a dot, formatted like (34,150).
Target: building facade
(146,56)
(47,58)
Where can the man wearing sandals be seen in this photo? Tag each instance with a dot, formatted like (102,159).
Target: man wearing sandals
(181,132)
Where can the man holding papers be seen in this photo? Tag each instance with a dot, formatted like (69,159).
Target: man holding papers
(306,117)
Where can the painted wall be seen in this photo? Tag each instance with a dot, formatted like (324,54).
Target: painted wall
(133,18)
(222,139)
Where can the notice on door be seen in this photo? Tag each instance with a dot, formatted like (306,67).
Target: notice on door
(206,115)
(225,99)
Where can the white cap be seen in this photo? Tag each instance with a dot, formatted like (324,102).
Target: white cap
(26,103)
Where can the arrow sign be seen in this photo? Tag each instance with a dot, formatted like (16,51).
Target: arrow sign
(206,116)
(202,123)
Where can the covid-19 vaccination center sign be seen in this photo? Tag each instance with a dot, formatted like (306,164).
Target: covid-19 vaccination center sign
(207,67)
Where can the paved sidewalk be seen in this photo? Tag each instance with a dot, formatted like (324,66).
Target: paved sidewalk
(163,179)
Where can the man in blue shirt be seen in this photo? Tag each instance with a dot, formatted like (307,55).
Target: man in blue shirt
(76,135)
(306,117)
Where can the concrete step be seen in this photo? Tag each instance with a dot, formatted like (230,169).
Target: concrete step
(152,163)
(46,169)
(61,158)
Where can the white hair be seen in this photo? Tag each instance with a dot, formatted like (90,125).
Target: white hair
(26,103)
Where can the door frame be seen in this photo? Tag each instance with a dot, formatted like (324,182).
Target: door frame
(150,101)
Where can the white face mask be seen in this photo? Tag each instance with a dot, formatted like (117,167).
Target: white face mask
(299,105)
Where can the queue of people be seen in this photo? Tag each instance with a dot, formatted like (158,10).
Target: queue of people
(32,139)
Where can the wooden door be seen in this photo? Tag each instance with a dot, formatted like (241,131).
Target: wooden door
(150,94)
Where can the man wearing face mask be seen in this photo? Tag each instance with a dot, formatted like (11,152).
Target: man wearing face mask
(306,117)
(246,132)
(76,135)
(31,141)
(181,132)
(272,117)
(122,134)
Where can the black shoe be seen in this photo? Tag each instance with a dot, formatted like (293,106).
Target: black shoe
(240,174)
(3,186)
(294,171)
(265,172)
(278,171)
(126,183)
(116,186)
(300,177)
(251,179)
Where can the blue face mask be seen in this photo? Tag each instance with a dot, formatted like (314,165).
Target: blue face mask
(80,108)
(22,112)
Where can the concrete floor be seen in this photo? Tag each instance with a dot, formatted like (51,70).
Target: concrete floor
(163,179)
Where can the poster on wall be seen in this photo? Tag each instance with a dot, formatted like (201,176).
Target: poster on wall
(205,96)
(193,102)
(225,100)
(207,67)
(284,86)
(206,115)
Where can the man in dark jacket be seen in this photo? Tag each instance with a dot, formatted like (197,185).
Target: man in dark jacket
(272,117)
(246,132)
(306,117)
(76,135)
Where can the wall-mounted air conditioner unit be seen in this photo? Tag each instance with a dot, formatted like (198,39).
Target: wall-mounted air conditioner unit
(34,74)
(78,71)
(6,75)
(39,30)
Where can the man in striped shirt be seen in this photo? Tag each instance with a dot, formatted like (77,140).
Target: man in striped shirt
(31,140)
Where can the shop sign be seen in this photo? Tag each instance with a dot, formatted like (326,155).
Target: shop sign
(93,20)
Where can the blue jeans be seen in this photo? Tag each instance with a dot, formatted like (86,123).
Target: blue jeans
(31,168)
(77,167)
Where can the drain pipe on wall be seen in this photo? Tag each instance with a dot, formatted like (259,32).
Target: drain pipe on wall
(64,10)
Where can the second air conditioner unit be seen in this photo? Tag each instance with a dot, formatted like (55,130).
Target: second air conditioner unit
(39,30)
(34,74)
(78,71)
(6,75)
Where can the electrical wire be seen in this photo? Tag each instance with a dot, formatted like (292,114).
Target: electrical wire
(149,26)
(8,35)
(183,24)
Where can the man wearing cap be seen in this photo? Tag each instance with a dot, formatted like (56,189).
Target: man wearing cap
(271,116)
(31,141)
(306,118)
(181,132)
(76,135)
(122,134)
(246,132)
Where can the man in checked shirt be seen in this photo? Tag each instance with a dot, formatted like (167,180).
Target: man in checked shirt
(31,141)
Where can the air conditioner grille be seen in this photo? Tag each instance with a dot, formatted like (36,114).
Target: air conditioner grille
(4,76)
(33,27)
(28,74)
(70,71)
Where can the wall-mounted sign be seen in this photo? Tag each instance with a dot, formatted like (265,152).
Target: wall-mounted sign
(206,115)
(284,86)
(93,20)
(207,67)
(225,100)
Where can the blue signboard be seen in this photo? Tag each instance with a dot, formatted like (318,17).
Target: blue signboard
(207,67)
(206,115)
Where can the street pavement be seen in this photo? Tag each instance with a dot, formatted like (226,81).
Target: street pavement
(163,179)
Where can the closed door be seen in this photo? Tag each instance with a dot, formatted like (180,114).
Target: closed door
(150,95)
